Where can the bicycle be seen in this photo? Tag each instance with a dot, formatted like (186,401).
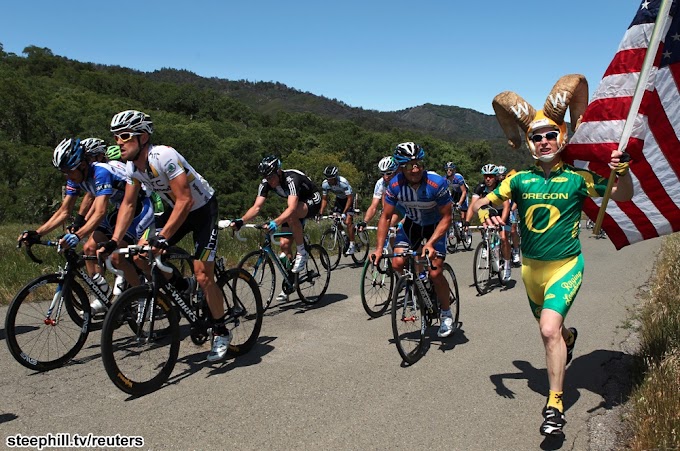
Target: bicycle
(415,306)
(334,239)
(488,261)
(458,234)
(377,282)
(311,283)
(139,359)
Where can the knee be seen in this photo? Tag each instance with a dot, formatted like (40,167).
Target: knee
(90,247)
(550,331)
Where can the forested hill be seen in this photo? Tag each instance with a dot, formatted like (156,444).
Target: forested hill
(223,127)
(447,122)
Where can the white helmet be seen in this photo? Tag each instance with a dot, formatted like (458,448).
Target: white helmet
(387,164)
(131,120)
(501,169)
(93,146)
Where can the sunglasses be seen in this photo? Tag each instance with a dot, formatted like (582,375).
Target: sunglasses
(550,136)
(125,136)
(389,173)
(413,164)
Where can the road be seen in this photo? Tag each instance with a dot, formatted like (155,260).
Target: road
(328,377)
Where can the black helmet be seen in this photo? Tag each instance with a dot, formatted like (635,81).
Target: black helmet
(269,165)
(330,171)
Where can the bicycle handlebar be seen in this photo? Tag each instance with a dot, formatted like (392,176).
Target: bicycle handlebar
(134,250)
(29,251)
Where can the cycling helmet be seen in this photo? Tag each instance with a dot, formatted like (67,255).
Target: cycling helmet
(489,169)
(93,147)
(269,165)
(501,170)
(387,164)
(330,172)
(131,120)
(450,165)
(113,153)
(68,154)
(408,151)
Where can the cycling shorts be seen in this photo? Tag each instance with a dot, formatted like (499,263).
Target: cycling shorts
(411,235)
(202,222)
(140,223)
(552,284)
(340,205)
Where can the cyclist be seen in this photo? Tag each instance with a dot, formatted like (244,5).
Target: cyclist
(303,201)
(457,186)
(388,167)
(103,184)
(344,200)
(513,219)
(490,173)
(192,208)
(427,201)
(114,157)
(550,197)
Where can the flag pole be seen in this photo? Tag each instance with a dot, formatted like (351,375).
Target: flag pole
(650,55)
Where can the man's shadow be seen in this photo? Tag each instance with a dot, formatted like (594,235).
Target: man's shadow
(613,385)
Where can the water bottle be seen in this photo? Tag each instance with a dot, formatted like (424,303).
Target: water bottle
(101,283)
(284,260)
(118,285)
(495,248)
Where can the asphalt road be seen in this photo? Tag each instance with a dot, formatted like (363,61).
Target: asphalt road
(328,377)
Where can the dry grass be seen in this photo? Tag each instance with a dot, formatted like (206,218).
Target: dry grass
(654,421)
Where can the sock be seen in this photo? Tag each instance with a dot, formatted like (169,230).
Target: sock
(569,341)
(446,313)
(507,264)
(555,400)
(301,249)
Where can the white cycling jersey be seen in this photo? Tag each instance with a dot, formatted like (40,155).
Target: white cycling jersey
(165,164)
(341,189)
(379,188)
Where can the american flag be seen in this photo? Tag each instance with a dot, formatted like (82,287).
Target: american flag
(654,145)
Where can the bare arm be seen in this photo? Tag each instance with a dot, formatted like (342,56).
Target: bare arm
(59,216)
(255,209)
(372,209)
(126,211)
(183,203)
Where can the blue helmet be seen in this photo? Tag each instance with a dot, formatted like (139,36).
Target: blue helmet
(68,154)
(408,151)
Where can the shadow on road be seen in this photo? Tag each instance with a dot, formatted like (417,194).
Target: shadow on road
(7,417)
(602,372)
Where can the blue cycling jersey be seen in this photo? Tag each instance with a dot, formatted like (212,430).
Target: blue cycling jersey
(422,204)
(102,179)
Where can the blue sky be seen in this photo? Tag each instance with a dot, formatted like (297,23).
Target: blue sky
(382,55)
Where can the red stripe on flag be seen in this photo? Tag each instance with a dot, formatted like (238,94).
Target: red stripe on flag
(626,62)
(662,130)
(610,109)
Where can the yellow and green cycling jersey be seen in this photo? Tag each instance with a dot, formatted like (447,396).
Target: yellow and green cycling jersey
(550,207)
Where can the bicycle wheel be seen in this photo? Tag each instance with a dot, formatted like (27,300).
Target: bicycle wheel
(408,320)
(139,363)
(361,245)
(333,246)
(454,298)
(467,239)
(260,265)
(482,268)
(376,287)
(243,306)
(451,240)
(41,342)
(312,282)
